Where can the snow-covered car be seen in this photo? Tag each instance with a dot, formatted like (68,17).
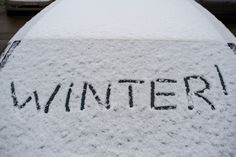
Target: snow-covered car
(26,5)
(119,78)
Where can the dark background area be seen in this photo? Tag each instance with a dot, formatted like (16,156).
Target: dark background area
(9,25)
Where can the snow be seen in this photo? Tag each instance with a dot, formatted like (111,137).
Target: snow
(135,19)
(196,71)
(219,26)
(120,130)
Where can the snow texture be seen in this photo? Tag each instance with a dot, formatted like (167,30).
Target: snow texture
(135,19)
(40,65)
(64,90)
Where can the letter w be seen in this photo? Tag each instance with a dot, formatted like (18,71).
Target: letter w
(15,100)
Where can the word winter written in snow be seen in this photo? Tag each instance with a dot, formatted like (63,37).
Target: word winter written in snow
(87,87)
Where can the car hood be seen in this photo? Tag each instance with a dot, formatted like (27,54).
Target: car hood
(104,97)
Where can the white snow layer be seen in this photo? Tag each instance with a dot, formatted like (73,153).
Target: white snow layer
(135,19)
(54,53)
(40,65)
